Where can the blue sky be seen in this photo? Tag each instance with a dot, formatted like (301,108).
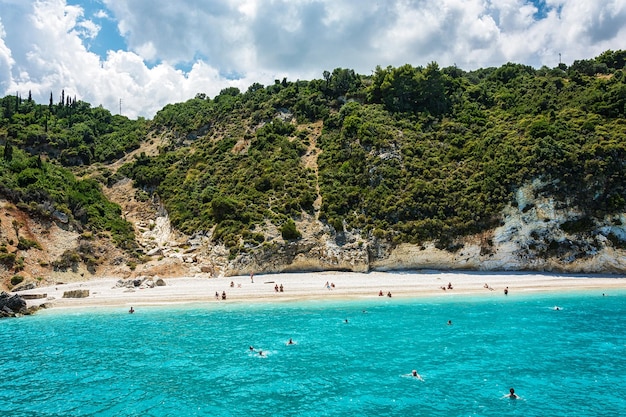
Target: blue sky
(153,52)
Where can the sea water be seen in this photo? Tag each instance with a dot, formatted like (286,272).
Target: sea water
(348,358)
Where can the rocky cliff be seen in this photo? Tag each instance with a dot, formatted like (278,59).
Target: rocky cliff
(536,233)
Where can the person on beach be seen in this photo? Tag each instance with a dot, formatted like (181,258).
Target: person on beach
(389,294)
(380,293)
(512,395)
(449,285)
(132,310)
(217,295)
(232,284)
(251,277)
(223,295)
(281,288)
(506,291)
(276,288)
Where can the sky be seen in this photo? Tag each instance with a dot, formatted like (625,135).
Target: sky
(139,55)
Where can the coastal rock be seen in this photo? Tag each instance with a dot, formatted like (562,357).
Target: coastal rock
(10,305)
(76,294)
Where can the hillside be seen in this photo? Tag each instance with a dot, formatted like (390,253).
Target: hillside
(500,168)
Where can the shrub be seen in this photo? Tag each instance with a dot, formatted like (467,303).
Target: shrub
(25,244)
(289,232)
(16,279)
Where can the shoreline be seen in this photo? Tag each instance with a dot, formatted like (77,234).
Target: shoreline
(304,286)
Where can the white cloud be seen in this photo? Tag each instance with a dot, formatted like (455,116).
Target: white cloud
(101,14)
(44,43)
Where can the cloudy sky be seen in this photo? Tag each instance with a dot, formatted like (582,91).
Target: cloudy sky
(148,53)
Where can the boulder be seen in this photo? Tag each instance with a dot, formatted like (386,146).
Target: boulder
(76,294)
(10,305)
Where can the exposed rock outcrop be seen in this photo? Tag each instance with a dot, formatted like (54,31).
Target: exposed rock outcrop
(76,294)
(13,305)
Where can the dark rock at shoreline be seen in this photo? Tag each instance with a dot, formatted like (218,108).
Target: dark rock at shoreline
(12,305)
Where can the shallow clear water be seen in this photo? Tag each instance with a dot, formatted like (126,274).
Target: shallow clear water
(195,360)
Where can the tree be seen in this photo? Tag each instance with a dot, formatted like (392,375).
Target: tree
(8,152)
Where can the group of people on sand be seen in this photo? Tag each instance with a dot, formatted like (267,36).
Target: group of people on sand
(330,285)
(380,293)
(278,289)
(449,287)
(217,295)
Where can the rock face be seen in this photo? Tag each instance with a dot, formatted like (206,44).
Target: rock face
(537,233)
(11,305)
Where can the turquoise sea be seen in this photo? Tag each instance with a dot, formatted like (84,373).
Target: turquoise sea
(194,360)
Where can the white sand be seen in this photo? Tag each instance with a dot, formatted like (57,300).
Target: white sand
(301,286)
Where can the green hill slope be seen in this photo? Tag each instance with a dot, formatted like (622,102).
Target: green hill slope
(406,155)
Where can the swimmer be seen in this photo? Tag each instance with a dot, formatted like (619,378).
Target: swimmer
(131,311)
(556,308)
(414,374)
(290,342)
(261,353)
(251,348)
(449,322)
(346,321)
(512,395)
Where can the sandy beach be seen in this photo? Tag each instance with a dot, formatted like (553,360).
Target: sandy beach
(319,285)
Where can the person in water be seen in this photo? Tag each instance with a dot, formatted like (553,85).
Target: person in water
(512,394)
(290,342)
(131,311)
(414,374)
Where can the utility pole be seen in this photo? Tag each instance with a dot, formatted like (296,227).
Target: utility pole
(559,58)
(121,105)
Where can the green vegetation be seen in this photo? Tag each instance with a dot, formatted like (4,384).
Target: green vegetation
(16,279)
(44,189)
(408,154)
